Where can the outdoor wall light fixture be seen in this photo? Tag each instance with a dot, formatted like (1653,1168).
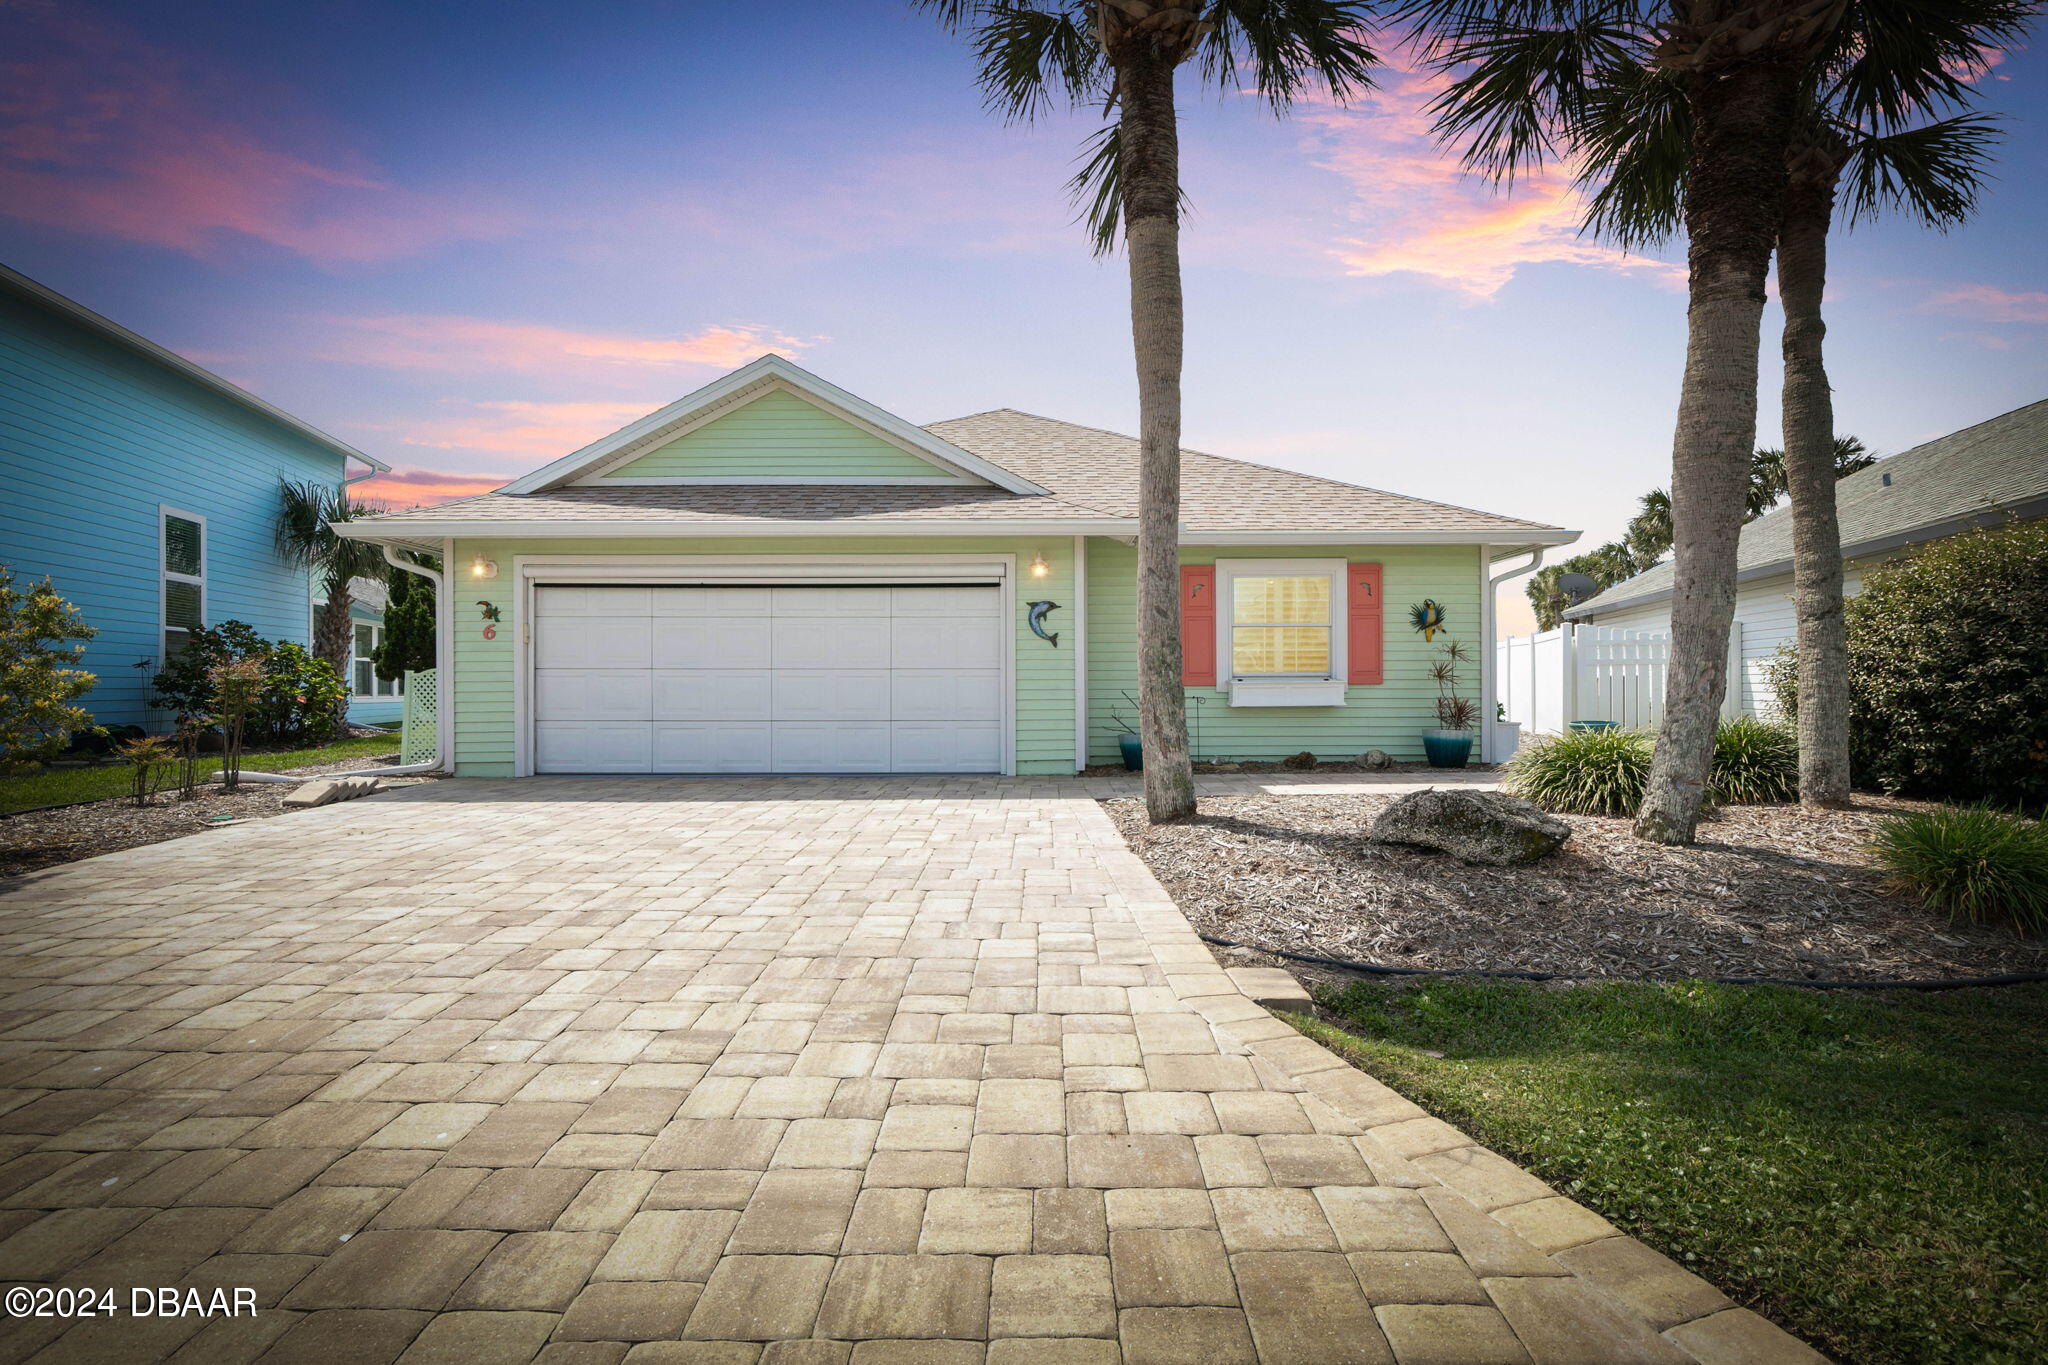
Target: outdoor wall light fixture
(1039,568)
(483,568)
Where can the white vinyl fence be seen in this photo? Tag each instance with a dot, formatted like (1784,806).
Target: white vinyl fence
(1574,673)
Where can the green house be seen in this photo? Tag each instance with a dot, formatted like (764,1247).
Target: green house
(772,575)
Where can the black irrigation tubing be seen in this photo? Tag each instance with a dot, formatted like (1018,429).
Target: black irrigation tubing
(1380,969)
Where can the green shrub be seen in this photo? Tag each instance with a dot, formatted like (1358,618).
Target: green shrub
(41,637)
(1583,772)
(298,704)
(1781,675)
(1948,670)
(1754,761)
(1971,862)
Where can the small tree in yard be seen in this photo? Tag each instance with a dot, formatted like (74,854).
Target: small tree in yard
(237,685)
(41,636)
(147,758)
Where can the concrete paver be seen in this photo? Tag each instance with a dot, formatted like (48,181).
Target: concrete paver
(798,1071)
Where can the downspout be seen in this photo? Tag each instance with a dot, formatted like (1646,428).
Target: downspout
(1489,658)
(441,651)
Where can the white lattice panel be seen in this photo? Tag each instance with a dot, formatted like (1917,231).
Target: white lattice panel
(422,705)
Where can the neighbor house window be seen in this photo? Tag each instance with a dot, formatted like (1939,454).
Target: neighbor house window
(365,682)
(183,570)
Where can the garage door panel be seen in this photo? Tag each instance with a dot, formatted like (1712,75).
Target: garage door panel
(944,694)
(619,642)
(831,694)
(588,694)
(591,747)
(946,748)
(720,747)
(827,642)
(831,747)
(710,694)
(808,601)
(710,642)
(952,600)
(695,602)
(945,642)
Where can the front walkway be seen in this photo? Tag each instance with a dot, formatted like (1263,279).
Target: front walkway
(789,1070)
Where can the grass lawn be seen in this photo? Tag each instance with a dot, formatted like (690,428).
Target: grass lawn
(1871,1172)
(61,785)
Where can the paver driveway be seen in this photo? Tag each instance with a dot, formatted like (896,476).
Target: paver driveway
(783,1070)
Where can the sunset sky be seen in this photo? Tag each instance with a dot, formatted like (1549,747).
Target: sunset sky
(468,238)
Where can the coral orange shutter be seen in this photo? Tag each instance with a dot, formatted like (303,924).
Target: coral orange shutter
(1198,625)
(1365,624)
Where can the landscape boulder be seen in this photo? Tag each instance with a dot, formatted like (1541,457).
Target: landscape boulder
(1472,826)
(327,790)
(1376,760)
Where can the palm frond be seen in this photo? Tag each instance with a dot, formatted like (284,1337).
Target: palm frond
(1097,190)
(1518,91)
(1634,134)
(1935,172)
(1290,47)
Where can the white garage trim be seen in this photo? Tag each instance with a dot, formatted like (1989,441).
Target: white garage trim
(533,571)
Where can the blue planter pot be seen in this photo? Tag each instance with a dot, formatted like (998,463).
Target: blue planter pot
(1133,751)
(1447,748)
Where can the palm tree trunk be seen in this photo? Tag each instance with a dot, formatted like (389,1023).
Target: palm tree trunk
(1810,478)
(1735,198)
(1151,207)
(333,637)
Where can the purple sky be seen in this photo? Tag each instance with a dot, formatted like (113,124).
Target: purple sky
(469,238)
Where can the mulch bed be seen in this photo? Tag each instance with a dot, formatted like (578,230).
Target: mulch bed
(39,839)
(1767,891)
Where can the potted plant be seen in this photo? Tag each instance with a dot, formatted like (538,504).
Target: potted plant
(1508,732)
(1450,744)
(1127,741)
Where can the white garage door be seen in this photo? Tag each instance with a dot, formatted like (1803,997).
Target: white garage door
(767,679)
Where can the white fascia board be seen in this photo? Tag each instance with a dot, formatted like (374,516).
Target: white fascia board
(171,360)
(768,367)
(697,530)
(1369,536)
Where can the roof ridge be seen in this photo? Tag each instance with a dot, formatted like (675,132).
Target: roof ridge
(1257,464)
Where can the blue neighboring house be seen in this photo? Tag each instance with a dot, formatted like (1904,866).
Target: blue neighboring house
(146,488)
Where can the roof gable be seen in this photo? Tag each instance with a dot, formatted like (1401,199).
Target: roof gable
(771,422)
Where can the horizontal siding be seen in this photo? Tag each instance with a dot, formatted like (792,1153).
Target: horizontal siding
(93,438)
(1390,715)
(1769,618)
(778,435)
(484,718)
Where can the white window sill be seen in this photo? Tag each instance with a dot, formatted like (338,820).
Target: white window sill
(1286,692)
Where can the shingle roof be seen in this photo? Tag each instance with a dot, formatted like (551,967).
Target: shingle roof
(1100,468)
(1092,475)
(1972,476)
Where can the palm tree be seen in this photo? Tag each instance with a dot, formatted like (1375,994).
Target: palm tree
(1523,73)
(1863,132)
(306,538)
(1124,55)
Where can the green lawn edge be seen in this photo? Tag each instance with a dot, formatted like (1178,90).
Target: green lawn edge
(63,786)
(1869,1171)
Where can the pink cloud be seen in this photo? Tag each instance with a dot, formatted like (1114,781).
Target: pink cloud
(1418,212)
(443,342)
(533,431)
(422,487)
(1991,304)
(101,132)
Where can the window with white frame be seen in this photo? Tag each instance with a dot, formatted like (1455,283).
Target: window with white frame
(364,681)
(1281,626)
(182,567)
